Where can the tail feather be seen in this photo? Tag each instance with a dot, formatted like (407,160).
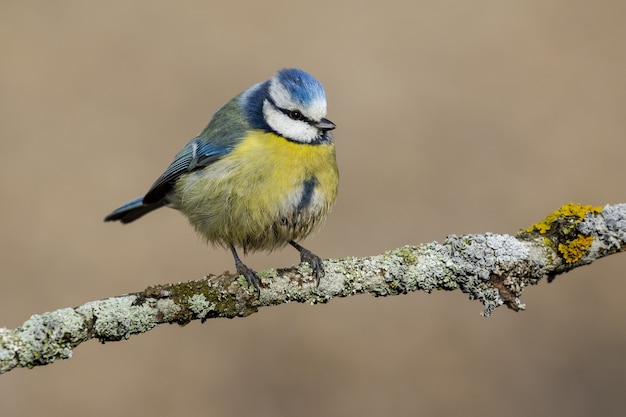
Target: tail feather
(133,210)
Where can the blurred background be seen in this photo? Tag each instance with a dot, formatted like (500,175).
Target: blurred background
(453,117)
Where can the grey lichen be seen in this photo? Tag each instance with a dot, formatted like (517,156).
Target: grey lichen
(476,259)
(10,344)
(42,339)
(200,306)
(609,229)
(117,318)
(167,309)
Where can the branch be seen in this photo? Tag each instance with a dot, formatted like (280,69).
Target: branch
(488,267)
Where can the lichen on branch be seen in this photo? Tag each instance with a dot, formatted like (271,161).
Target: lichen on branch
(491,268)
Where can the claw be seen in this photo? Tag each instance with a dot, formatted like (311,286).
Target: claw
(248,273)
(312,259)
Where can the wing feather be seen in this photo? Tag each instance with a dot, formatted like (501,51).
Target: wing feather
(194,155)
(225,130)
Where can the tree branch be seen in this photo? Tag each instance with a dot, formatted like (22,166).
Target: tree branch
(490,268)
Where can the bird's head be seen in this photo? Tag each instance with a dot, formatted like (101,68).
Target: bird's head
(292,104)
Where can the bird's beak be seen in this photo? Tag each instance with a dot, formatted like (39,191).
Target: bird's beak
(325,124)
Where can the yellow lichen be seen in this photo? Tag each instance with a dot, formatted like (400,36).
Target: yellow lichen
(575,249)
(559,229)
(573,211)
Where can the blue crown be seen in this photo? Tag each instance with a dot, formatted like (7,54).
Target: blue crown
(302,87)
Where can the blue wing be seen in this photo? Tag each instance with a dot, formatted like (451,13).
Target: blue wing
(225,130)
(195,155)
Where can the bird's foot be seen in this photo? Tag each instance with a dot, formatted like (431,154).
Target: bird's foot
(312,259)
(250,275)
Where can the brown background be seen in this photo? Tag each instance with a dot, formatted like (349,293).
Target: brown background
(453,117)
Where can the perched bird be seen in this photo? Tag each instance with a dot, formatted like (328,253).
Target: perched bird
(262,173)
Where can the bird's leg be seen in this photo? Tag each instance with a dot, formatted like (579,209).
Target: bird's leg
(249,274)
(312,259)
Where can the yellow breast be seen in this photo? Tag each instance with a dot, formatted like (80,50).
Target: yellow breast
(264,193)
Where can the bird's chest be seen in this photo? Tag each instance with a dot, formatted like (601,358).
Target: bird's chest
(282,176)
(266,183)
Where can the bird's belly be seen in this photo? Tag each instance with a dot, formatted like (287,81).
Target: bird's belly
(266,192)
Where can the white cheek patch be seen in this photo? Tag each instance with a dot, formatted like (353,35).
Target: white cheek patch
(297,130)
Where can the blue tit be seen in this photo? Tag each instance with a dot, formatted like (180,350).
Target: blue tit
(261,175)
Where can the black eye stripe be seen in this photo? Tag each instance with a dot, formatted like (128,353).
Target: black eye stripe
(292,114)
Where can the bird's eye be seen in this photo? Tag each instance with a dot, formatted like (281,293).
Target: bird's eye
(295,115)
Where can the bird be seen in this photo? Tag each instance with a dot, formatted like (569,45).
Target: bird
(262,173)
